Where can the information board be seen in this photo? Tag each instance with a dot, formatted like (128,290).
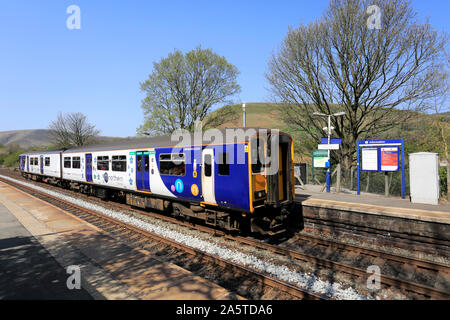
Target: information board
(380,155)
(320,162)
(389,158)
(369,159)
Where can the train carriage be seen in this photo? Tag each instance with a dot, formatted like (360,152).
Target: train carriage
(41,164)
(244,180)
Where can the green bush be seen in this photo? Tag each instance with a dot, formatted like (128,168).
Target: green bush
(11,160)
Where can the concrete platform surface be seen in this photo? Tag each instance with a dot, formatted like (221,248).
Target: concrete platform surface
(39,241)
(373,204)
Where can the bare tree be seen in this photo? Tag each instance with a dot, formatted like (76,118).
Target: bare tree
(344,62)
(72,130)
(59,133)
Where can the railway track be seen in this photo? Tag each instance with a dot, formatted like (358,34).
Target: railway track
(407,287)
(140,236)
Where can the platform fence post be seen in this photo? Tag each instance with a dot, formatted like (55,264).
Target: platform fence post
(357,169)
(403,168)
(338,178)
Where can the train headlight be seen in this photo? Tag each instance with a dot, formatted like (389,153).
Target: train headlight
(260,194)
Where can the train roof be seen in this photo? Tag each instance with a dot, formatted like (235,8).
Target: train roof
(164,141)
(41,152)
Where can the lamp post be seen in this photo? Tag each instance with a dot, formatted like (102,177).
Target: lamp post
(243,110)
(329,141)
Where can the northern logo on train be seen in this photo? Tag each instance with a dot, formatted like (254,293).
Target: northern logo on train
(179,186)
(105,176)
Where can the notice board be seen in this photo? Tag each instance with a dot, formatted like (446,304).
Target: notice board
(369,159)
(389,158)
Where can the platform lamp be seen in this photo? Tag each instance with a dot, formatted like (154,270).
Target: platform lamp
(329,140)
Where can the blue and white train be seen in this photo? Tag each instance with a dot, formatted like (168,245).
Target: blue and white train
(225,184)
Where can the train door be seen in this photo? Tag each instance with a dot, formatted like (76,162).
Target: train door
(28,164)
(208,189)
(41,163)
(142,171)
(89,167)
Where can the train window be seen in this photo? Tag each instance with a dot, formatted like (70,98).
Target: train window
(119,163)
(138,162)
(257,149)
(146,163)
(208,166)
(36,161)
(224,164)
(103,163)
(67,163)
(76,162)
(47,161)
(172,164)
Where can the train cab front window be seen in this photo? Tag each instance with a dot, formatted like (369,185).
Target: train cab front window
(258,156)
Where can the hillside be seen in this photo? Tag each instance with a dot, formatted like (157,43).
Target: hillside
(25,138)
(264,115)
(32,138)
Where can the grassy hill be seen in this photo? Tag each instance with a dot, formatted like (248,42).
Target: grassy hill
(264,115)
(26,139)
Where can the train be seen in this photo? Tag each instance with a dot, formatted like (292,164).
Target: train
(242,182)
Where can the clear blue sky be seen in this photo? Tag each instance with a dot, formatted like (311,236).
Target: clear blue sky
(46,68)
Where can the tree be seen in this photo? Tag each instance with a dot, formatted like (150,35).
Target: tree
(441,122)
(182,89)
(72,130)
(342,63)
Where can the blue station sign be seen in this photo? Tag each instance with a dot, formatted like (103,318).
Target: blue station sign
(332,141)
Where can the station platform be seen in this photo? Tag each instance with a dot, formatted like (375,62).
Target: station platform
(384,213)
(38,241)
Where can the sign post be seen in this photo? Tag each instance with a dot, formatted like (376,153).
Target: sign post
(380,155)
(329,128)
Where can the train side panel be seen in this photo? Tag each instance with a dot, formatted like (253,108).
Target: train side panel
(52,165)
(115,169)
